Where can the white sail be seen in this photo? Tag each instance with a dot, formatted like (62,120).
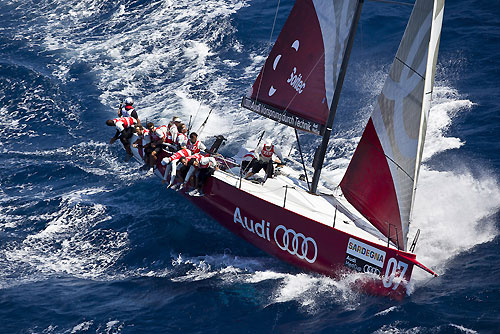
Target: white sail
(380,181)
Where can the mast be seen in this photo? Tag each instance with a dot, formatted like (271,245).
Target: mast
(333,108)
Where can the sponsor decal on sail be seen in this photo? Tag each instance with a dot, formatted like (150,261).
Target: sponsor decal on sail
(282,116)
(296,82)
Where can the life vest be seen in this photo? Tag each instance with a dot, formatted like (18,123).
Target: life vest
(182,140)
(195,148)
(249,156)
(172,133)
(206,162)
(126,121)
(146,136)
(159,133)
(127,111)
(267,152)
(179,154)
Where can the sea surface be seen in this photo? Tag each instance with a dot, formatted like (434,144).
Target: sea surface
(89,244)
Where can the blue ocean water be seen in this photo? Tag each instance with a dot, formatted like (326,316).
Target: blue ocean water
(88,244)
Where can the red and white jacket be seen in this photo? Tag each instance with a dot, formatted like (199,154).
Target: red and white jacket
(196,156)
(159,133)
(176,156)
(146,137)
(250,156)
(182,141)
(172,133)
(205,162)
(124,122)
(127,111)
(266,153)
(195,147)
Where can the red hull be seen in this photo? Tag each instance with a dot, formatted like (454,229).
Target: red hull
(303,242)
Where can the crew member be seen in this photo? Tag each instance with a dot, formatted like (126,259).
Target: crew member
(265,154)
(194,145)
(248,161)
(158,137)
(171,165)
(124,131)
(204,167)
(143,140)
(182,139)
(128,110)
(173,131)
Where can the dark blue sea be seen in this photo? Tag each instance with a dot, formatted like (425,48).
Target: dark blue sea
(89,244)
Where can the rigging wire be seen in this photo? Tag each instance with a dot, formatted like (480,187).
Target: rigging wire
(302,159)
(270,39)
(394,2)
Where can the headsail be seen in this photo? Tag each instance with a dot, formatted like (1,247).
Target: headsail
(297,82)
(381,178)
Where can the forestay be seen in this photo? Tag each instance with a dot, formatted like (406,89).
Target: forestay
(381,178)
(296,84)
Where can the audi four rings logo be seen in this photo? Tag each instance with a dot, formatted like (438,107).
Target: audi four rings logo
(369,269)
(296,243)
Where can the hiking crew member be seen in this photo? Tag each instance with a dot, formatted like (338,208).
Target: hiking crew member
(173,131)
(186,163)
(190,169)
(128,110)
(158,137)
(143,140)
(182,138)
(124,131)
(194,145)
(171,165)
(204,167)
(265,160)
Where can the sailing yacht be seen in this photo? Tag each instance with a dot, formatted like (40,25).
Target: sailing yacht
(362,225)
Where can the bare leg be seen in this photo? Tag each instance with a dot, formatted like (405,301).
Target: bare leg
(167,172)
(152,159)
(173,172)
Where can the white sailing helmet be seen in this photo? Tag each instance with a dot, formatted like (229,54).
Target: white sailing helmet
(268,143)
(129,101)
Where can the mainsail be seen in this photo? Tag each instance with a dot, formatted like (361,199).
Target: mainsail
(381,178)
(298,80)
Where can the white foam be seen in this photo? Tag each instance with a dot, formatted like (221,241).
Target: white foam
(388,310)
(464,329)
(447,104)
(68,244)
(394,329)
(312,292)
(113,326)
(453,210)
(84,326)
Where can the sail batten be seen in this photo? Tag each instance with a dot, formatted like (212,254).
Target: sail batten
(394,137)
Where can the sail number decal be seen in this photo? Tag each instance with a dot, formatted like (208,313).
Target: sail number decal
(394,273)
(364,258)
